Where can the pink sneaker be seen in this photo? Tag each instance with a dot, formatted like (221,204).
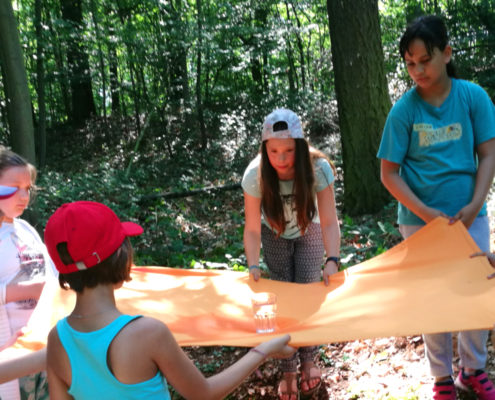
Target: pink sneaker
(478,383)
(444,390)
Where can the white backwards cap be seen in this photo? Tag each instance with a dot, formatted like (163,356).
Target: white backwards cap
(294,128)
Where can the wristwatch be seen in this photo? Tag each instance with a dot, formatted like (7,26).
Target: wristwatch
(336,260)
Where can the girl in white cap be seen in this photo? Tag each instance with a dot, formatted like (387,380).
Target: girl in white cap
(290,210)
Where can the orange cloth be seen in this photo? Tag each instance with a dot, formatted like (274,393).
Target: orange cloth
(426,284)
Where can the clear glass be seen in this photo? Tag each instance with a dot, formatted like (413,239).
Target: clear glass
(264,311)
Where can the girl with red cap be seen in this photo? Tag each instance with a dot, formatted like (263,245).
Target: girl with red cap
(98,353)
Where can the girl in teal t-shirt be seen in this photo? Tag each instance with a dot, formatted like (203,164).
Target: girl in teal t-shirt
(438,159)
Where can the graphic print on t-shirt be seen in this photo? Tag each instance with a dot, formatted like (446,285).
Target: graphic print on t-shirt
(32,267)
(289,211)
(429,136)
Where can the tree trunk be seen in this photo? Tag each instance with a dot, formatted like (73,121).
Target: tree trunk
(83,105)
(114,80)
(16,85)
(178,73)
(100,59)
(199,102)
(63,79)
(291,70)
(40,87)
(300,47)
(363,101)
(258,44)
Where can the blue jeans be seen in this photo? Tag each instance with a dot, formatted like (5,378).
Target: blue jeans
(471,344)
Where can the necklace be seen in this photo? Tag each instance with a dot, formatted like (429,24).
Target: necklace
(81,316)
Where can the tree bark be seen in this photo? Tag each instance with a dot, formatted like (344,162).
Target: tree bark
(363,100)
(16,85)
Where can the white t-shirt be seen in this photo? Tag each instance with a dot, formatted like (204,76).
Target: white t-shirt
(251,185)
(24,258)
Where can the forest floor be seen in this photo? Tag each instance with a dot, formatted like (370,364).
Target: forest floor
(387,368)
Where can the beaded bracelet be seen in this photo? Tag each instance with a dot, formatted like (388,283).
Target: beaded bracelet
(252,266)
(255,350)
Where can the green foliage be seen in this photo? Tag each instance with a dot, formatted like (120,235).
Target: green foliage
(471,26)
(177,232)
(368,236)
(326,360)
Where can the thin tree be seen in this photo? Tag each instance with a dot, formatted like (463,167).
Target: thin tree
(40,80)
(199,100)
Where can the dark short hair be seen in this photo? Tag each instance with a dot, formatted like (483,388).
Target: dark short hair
(432,31)
(112,270)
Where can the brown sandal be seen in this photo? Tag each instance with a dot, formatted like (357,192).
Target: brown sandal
(307,375)
(289,378)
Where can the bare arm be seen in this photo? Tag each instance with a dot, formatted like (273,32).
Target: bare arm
(329,228)
(58,368)
(252,232)
(484,179)
(23,290)
(226,381)
(183,375)
(402,192)
(24,365)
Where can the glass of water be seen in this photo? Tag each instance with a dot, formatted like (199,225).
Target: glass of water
(264,311)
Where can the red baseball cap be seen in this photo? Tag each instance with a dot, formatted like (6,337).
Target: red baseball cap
(92,231)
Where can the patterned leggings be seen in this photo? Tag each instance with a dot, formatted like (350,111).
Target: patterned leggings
(294,260)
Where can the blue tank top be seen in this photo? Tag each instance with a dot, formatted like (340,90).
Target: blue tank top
(91,377)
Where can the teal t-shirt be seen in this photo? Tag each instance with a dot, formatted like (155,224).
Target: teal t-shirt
(251,185)
(436,146)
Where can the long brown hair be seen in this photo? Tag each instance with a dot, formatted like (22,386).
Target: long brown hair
(303,188)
